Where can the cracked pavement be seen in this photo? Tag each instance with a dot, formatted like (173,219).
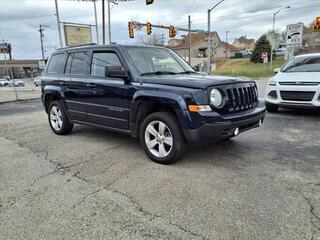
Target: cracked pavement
(96,184)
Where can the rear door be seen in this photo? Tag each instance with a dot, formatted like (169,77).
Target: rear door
(109,101)
(76,89)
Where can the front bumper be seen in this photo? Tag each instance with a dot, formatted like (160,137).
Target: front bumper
(226,128)
(314,103)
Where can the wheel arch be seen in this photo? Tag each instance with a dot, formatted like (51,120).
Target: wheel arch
(145,103)
(51,93)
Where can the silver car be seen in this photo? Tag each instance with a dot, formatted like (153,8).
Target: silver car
(16,83)
(4,82)
(37,81)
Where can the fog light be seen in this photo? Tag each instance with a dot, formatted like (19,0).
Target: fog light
(236,131)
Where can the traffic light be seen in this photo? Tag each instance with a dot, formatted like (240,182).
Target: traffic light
(148,2)
(316,26)
(149,28)
(172,31)
(130,29)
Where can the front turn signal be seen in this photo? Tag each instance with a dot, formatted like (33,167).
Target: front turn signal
(199,108)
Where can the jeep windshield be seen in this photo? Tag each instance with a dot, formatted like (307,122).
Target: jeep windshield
(157,61)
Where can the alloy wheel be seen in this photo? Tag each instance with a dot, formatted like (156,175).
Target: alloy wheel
(56,118)
(158,139)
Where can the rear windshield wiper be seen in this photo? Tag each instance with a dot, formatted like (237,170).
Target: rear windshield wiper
(158,73)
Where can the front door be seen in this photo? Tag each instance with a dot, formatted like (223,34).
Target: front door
(108,104)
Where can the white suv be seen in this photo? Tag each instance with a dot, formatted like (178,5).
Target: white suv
(296,84)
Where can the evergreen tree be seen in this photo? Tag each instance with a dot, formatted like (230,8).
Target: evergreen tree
(262,45)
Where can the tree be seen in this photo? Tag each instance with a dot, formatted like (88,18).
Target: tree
(262,45)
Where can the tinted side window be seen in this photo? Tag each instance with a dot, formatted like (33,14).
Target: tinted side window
(76,63)
(102,59)
(55,64)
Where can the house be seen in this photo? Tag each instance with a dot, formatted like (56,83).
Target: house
(199,46)
(243,43)
(174,42)
(228,50)
(310,38)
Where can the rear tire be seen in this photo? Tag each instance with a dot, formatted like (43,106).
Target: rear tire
(161,138)
(272,107)
(58,120)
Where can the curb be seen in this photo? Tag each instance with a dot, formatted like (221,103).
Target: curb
(19,100)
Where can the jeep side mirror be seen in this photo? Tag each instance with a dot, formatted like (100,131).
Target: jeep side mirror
(276,70)
(116,71)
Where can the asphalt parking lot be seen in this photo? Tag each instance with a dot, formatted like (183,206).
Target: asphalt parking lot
(96,184)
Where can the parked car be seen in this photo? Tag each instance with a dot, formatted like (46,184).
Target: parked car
(37,81)
(16,83)
(296,84)
(4,82)
(278,52)
(147,92)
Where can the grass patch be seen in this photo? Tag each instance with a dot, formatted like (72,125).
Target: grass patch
(243,67)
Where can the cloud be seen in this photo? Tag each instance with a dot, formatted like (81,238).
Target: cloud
(20,19)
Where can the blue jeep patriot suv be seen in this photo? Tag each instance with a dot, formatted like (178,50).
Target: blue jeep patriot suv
(146,92)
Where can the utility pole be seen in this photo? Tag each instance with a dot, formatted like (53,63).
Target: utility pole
(227,44)
(209,37)
(96,19)
(5,67)
(41,29)
(109,21)
(58,22)
(189,30)
(5,57)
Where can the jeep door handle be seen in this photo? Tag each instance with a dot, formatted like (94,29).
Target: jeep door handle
(90,85)
(62,83)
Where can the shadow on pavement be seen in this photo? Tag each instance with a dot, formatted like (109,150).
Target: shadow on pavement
(299,112)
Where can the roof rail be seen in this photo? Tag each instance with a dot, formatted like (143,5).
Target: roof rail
(82,45)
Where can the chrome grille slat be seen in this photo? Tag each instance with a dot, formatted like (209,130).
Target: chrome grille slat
(241,97)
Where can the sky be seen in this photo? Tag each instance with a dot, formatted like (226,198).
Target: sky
(20,19)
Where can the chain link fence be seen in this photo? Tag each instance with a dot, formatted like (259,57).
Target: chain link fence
(19,89)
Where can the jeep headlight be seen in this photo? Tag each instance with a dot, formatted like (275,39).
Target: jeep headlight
(216,97)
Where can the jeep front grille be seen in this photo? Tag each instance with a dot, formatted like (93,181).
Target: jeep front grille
(241,98)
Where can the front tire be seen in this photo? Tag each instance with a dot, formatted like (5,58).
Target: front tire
(58,119)
(271,107)
(161,138)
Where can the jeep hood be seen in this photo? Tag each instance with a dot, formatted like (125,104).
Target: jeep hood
(200,81)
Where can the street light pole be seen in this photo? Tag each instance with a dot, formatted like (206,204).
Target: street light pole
(103,24)
(109,21)
(189,28)
(58,22)
(96,19)
(272,35)
(227,44)
(209,37)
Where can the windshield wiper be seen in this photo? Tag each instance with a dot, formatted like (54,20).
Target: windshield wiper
(158,73)
(187,72)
